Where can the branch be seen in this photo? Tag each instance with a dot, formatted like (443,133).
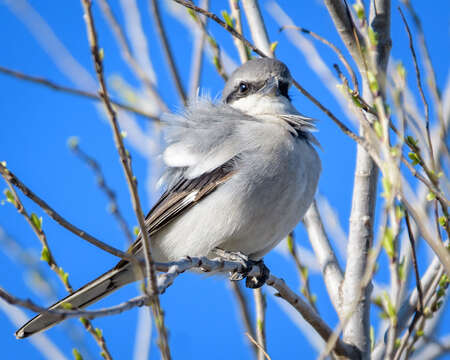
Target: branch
(197,57)
(257,26)
(333,47)
(236,15)
(261,305)
(151,288)
(69,90)
(113,206)
(244,311)
(310,316)
(154,6)
(343,22)
(419,86)
(329,265)
(127,55)
(47,256)
(11,178)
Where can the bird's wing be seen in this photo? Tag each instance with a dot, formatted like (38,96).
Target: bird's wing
(184,194)
(180,197)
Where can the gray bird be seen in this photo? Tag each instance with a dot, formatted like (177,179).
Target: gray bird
(241,173)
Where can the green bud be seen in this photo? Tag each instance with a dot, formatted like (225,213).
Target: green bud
(373,36)
(45,255)
(73,142)
(99,333)
(37,222)
(414,158)
(411,141)
(84,321)
(273,46)
(388,242)
(290,243)
(76,354)
(101,54)
(373,83)
(401,71)
(227,18)
(359,11)
(67,306)
(10,197)
(377,128)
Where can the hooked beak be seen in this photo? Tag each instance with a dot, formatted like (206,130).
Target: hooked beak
(271,87)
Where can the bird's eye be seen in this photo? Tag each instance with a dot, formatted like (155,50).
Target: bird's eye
(243,88)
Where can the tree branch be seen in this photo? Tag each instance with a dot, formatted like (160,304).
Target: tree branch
(69,90)
(154,6)
(10,177)
(151,289)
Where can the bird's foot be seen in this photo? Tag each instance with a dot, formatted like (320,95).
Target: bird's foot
(252,282)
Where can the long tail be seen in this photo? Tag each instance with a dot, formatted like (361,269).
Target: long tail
(85,296)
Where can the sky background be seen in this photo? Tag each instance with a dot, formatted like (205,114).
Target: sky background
(37,122)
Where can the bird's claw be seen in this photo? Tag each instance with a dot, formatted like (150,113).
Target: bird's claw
(252,282)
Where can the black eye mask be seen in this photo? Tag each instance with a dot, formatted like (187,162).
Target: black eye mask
(244,89)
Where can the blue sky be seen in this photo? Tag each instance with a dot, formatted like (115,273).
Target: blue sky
(37,122)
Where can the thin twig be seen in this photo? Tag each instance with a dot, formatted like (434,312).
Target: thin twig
(302,271)
(244,310)
(10,177)
(151,288)
(419,86)
(127,54)
(217,58)
(48,257)
(259,346)
(414,259)
(338,52)
(69,90)
(236,15)
(308,313)
(154,6)
(113,206)
(260,305)
(197,57)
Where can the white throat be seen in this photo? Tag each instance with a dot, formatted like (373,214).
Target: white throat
(257,104)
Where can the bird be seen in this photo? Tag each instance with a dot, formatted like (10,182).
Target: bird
(240,174)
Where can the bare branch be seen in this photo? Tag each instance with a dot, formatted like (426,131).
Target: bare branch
(257,26)
(260,305)
(127,55)
(325,254)
(236,15)
(310,316)
(48,257)
(259,346)
(69,90)
(154,6)
(10,177)
(151,289)
(244,310)
(343,22)
(197,57)
(419,86)
(113,206)
(338,52)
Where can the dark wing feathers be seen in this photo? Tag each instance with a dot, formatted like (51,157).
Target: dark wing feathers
(184,194)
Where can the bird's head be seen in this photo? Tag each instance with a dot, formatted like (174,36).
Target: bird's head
(260,87)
